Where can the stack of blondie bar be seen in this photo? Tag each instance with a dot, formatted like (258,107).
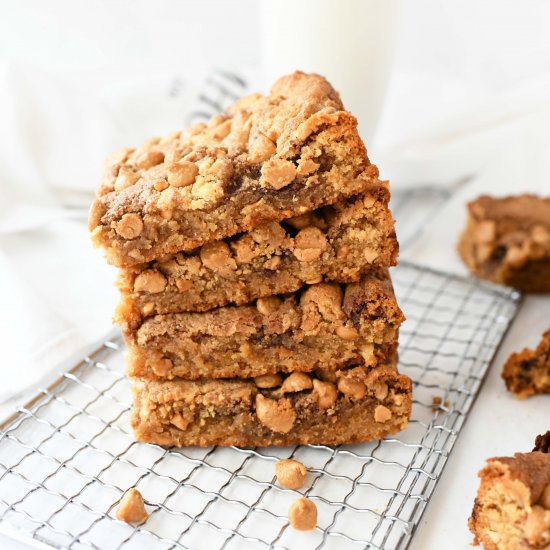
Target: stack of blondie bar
(256,302)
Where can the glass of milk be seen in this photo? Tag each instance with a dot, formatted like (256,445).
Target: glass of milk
(350,42)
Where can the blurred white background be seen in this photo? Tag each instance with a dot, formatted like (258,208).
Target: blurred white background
(467,100)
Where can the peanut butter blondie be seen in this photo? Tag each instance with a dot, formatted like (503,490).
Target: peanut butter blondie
(325,325)
(528,372)
(507,240)
(332,408)
(512,508)
(337,243)
(265,159)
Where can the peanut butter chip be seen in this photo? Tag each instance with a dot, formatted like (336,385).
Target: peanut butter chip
(303,515)
(261,149)
(346,333)
(126,178)
(381,391)
(129,227)
(278,416)
(309,244)
(278,173)
(132,507)
(325,392)
(150,280)
(267,381)
(290,473)
(162,366)
(182,174)
(382,414)
(352,388)
(297,381)
(268,305)
(217,257)
(148,159)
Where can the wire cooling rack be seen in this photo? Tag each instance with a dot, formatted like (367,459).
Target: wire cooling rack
(68,456)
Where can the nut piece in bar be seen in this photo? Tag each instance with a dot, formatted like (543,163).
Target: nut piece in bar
(132,507)
(507,241)
(528,372)
(265,159)
(512,507)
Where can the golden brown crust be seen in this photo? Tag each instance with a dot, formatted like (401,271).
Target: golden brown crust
(225,412)
(507,240)
(335,243)
(324,326)
(528,372)
(265,159)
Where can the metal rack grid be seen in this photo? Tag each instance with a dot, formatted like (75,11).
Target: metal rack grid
(68,456)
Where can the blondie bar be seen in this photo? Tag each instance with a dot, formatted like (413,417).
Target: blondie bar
(507,240)
(337,243)
(512,507)
(349,406)
(528,372)
(265,159)
(325,325)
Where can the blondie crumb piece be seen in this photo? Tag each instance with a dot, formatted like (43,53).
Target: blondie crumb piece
(528,372)
(512,507)
(265,159)
(437,400)
(132,507)
(290,473)
(303,515)
(507,240)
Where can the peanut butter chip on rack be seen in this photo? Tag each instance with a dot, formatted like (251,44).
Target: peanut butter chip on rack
(182,174)
(290,473)
(129,227)
(132,508)
(278,173)
(277,415)
(303,515)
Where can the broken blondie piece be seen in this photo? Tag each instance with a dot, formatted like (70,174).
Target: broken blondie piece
(348,406)
(324,326)
(507,240)
(528,372)
(335,243)
(512,507)
(265,159)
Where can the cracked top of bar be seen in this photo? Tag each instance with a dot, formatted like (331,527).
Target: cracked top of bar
(266,158)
